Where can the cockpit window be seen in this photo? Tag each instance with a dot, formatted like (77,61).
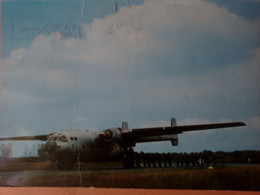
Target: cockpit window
(54,139)
(63,138)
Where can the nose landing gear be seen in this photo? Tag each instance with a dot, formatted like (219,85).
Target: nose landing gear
(65,160)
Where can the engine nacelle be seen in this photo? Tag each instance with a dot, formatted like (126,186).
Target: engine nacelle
(174,142)
(112,135)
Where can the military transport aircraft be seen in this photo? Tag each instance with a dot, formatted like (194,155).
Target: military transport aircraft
(70,146)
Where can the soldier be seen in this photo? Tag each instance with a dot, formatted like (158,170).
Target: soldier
(196,159)
(187,160)
(165,160)
(137,159)
(192,158)
(206,157)
(214,160)
(222,156)
(201,160)
(142,156)
(177,157)
(153,158)
(159,158)
(169,159)
(181,158)
(148,159)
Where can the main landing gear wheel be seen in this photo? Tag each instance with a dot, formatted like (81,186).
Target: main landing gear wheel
(128,162)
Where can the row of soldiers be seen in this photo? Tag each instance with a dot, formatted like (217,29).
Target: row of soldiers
(181,159)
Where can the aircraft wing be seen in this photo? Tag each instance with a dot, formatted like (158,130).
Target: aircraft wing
(137,135)
(155,131)
(22,138)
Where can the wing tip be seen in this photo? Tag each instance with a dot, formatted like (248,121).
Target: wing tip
(242,124)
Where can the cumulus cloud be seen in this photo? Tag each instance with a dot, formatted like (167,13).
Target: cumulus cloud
(13,59)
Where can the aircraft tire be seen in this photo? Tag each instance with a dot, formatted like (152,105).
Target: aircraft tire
(128,162)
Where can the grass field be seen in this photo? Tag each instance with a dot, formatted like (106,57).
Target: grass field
(102,175)
(240,178)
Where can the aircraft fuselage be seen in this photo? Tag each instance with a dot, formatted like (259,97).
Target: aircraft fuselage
(80,145)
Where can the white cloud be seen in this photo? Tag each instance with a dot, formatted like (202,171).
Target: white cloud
(112,40)
(15,57)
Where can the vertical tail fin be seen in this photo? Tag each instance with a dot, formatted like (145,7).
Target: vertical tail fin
(173,122)
(124,126)
(175,140)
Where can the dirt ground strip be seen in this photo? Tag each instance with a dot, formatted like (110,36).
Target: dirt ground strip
(99,191)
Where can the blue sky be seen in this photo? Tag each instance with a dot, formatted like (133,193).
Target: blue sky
(78,64)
